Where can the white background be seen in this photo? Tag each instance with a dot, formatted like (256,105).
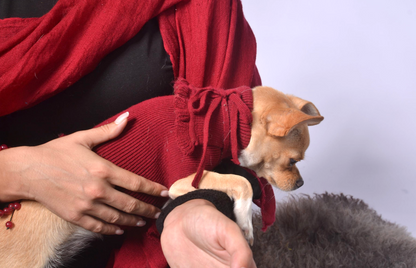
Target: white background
(356,61)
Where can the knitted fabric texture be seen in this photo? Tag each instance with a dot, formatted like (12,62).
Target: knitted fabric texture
(168,138)
(171,137)
(209,43)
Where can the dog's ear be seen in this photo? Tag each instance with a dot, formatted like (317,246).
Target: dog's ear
(305,106)
(279,122)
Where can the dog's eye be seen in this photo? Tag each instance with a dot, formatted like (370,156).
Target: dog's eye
(292,162)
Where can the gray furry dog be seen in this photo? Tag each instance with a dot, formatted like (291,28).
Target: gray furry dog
(331,230)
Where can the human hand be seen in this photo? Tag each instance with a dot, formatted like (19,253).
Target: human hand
(76,184)
(196,234)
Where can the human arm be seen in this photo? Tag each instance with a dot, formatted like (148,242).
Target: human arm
(72,181)
(196,234)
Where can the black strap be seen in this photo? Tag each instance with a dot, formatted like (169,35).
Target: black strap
(219,199)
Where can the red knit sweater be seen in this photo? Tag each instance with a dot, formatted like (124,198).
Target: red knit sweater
(168,139)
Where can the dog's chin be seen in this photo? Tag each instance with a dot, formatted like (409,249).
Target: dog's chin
(275,182)
(287,188)
(283,186)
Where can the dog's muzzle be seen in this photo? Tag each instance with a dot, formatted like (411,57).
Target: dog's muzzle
(299,183)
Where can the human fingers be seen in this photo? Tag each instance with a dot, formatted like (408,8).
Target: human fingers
(115,217)
(133,182)
(97,217)
(117,176)
(120,177)
(231,239)
(94,225)
(95,136)
(130,181)
(130,205)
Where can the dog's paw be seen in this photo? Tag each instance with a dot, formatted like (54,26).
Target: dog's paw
(243,215)
(249,236)
(172,195)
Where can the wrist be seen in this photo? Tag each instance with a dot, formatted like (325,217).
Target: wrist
(11,183)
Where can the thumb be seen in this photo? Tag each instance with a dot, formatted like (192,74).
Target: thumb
(238,248)
(92,137)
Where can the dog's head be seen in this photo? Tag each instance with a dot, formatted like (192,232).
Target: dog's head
(279,136)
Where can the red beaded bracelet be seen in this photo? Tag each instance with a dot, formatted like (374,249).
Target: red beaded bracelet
(10,210)
(12,207)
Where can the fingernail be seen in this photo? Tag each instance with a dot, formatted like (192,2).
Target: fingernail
(157,215)
(140,223)
(164,193)
(121,118)
(119,232)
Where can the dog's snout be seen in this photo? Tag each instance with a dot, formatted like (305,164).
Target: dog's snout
(299,183)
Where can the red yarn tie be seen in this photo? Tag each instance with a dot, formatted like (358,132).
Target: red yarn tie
(234,110)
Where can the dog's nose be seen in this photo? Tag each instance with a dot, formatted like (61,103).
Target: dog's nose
(299,183)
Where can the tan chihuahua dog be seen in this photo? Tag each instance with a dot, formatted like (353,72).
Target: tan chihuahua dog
(279,139)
